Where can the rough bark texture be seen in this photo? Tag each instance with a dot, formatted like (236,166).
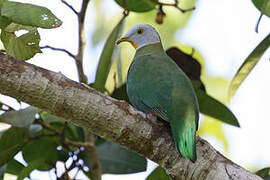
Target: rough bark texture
(113,120)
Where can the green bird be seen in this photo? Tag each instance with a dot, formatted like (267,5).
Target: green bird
(156,85)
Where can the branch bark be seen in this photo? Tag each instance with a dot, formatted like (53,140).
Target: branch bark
(113,120)
(89,137)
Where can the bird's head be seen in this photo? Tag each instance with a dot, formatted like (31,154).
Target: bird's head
(140,35)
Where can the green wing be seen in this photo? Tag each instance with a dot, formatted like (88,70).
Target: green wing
(155,84)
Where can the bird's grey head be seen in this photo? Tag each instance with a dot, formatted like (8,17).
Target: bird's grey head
(141,35)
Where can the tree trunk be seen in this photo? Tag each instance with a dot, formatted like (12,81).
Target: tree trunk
(113,120)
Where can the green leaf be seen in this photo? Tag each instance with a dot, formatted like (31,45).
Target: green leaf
(34,128)
(30,15)
(212,107)
(23,47)
(12,27)
(47,117)
(106,57)
(248,65)
(42,149)
(263,5)
(70,130)
(4,22)
(264,173)
(137,6)
(35,164)
(158,174)
(11,142)
(20,118)
(117,160)
(121,93)
(14,167)
(89,174)
(62,155)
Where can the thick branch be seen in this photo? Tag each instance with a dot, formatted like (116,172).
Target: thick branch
(113,120)
(91,150)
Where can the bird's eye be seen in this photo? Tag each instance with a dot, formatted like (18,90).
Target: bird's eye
(139,31)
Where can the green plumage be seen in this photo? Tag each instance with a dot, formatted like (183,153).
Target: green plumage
(155,84)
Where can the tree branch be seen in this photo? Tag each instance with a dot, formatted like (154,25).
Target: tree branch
(91,150)
(59,49)
(69,6)
(175,4)
(113,120)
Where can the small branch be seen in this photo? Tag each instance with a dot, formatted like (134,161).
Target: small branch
(66,175)
(69,6)
(62,133)
(59,49)
(42,135)
(185,10)
(96,165)
(47,126)
(175,4)
(65,140)
(258,22)
(78,144)
(81,39)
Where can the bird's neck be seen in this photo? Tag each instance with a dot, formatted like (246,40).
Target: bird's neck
(150,48)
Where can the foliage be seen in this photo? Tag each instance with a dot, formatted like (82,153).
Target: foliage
(264,173)
(249,64)
(17,16)
(43,139)
(116,159)
(137,6)
(263,5)
(107,56)
(158,174)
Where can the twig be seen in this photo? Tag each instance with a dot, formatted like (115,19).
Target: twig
(185,10)
(64,128)
(65,140)
(69,6)
(47,126)
(262,13)
(258,22)
(175,4)
(42,135)
(59,49)
(66,172)
(78,144)
(81,39)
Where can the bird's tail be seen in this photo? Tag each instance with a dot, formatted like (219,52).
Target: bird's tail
(185,142)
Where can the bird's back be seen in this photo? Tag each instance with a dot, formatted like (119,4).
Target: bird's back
(155,84)
(155,76)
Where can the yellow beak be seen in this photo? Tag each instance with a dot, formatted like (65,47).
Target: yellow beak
(125,39)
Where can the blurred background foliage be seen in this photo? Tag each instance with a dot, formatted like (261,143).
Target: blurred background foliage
(38,132)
